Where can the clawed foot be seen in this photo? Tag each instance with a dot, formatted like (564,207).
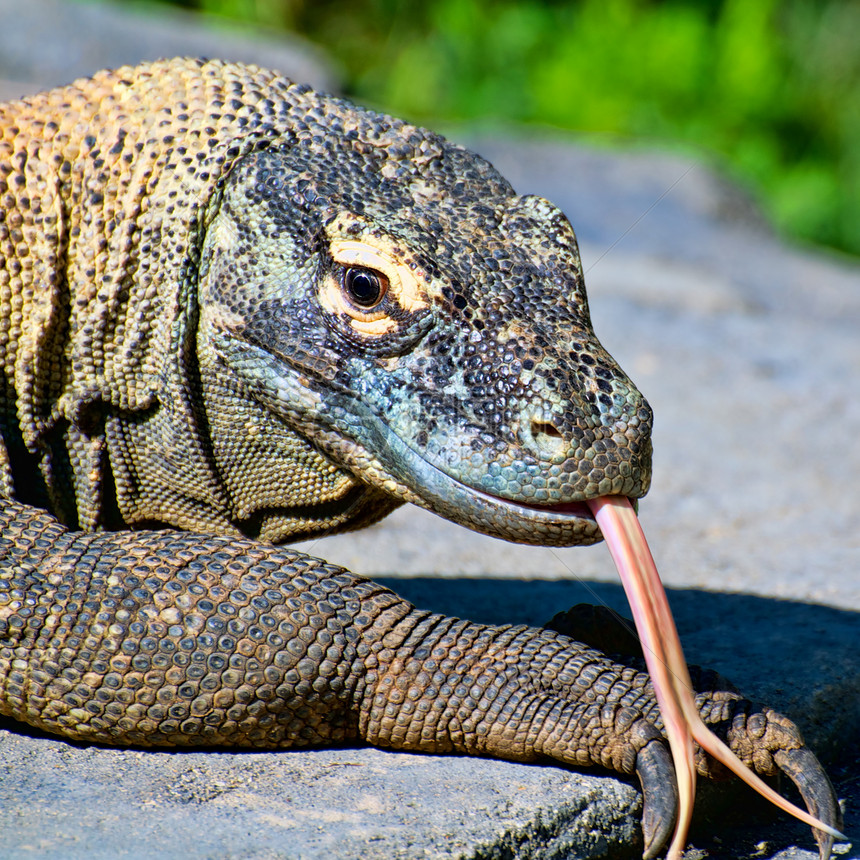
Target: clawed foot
(765,741)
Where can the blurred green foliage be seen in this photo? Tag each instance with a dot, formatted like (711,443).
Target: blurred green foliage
(771,88)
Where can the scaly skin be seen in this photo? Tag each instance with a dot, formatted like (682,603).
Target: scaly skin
(234,312)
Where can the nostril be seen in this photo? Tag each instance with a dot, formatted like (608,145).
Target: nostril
(547,437)
(545,429)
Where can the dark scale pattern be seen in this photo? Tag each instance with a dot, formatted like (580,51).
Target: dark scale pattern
(477,355)
(168,638)
(179,350)
(175,638)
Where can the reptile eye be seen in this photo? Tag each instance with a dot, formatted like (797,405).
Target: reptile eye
(365,287)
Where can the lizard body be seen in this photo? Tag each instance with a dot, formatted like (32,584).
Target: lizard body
(236,312)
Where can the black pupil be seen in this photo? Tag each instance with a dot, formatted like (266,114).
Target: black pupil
(364,287)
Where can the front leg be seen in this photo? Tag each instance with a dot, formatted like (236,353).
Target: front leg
(166,639)
(163,638)
(439,684)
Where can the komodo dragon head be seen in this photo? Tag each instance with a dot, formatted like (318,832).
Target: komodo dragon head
(427,327)
(381,294)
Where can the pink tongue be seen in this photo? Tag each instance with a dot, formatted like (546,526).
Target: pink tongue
(667,666)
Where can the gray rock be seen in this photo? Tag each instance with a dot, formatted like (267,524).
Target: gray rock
(48,43)
(68,802)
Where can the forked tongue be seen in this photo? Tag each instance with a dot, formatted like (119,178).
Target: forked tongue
(668,668)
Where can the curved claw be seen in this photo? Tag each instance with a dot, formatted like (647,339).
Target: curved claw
(804,770)
(660,796)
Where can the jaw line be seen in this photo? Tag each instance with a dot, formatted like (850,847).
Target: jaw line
(418,481)
(561,524)
(560,510)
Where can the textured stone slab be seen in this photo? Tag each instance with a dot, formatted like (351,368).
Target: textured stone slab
(73,803)
(47,43)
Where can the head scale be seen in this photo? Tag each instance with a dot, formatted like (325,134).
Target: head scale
(426,327)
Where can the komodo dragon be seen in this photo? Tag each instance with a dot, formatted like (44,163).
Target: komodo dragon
(235,312)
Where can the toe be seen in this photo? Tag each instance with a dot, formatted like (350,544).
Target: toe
(660,795)
(802,767)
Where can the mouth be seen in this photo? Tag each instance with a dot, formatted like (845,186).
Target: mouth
(582,510)
(560,524)
(561,510)
(404,471)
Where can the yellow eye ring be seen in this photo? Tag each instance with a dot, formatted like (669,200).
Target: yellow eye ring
(375,277)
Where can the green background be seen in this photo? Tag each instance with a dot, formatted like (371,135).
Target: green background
(769,91)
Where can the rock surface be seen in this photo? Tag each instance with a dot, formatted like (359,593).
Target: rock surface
(47,43)
(749,354)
